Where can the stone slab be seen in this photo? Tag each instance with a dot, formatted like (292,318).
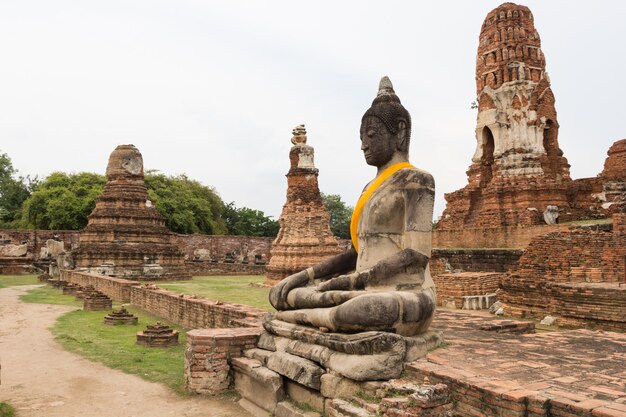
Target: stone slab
(303,395)
(296,368)
(286,409)
(257,384)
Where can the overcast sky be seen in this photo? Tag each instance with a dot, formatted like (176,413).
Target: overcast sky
(212,89)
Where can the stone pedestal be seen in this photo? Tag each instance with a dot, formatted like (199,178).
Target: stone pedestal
(304,238)
(208,354)
(97,301)
(120,317)
(157,335)
(71,289)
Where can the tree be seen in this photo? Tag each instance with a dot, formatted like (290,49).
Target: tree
(62,201)
(248,222)
(340,215)
(14,191)
(187,205)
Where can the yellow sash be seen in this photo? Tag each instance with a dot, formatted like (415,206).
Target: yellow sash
(378,181)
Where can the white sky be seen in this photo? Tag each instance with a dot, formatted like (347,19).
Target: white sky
(212,89)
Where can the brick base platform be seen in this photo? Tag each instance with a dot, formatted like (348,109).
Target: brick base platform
(567,373)
(454,288)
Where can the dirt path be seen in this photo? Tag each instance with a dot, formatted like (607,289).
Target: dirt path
(40,379)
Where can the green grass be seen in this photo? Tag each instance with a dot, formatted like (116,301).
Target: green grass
(6,410)
(230,289)
(46,294)
(84,333)
(589,222)
(13,280)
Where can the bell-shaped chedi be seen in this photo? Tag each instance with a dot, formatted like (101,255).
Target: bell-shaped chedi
(125,235)
(518,169)
(304,238)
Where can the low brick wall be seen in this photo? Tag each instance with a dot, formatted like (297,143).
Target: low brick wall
(36,239)
(207,356)
(601,305)
(473,260)
(207,268)
(492,237)
(452,287)
(219,247)
(193,313)
(116,288)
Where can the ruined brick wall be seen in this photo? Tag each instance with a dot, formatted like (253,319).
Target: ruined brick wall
(492,237)
(205,247)
(36,239)
(116,288)
(208,268)
(473,260)
(451,288)
(574,275)
(193,313)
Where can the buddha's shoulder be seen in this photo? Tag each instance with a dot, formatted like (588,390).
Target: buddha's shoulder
(415,176)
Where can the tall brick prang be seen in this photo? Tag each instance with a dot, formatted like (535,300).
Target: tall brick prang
(518,169)
(305,237)
(126,236)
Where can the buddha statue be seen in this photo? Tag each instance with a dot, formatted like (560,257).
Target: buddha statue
(383,281)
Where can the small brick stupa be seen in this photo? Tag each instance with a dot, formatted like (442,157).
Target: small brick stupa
(518,169)
(126,237)
(305,237)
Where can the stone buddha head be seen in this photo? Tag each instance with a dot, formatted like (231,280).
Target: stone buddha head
(385,127)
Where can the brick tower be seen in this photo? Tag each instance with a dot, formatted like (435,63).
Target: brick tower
(305,237)
(518,168)
(126,236)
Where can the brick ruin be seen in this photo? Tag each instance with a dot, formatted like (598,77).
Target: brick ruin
(578,276)
(125,235)
(518,169)
(305,237)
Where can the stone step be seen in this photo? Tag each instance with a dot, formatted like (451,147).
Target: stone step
(257,385)
(341,408)
(287,409)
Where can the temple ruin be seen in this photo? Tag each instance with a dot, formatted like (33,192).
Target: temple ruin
(305,237)
(125,235)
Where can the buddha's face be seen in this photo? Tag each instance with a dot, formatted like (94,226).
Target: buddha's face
(377,143)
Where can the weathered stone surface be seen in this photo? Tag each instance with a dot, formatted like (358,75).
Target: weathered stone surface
(257,354)
(257,384)
(295,368)
(126,236)
(11,251)
(303,395)
(337,386)
(304,238)
(368,356)
(286,409)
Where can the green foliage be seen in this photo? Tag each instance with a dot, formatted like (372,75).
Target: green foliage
(62,201)
(230,289)
(6,410)
(340,215)
(14,191)
(249,222)
(188,206)
(14,280)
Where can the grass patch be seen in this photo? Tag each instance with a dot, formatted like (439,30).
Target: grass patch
(230,289)
(589,222)
(6,410)
(14,280)
(46,294)
(84,333)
